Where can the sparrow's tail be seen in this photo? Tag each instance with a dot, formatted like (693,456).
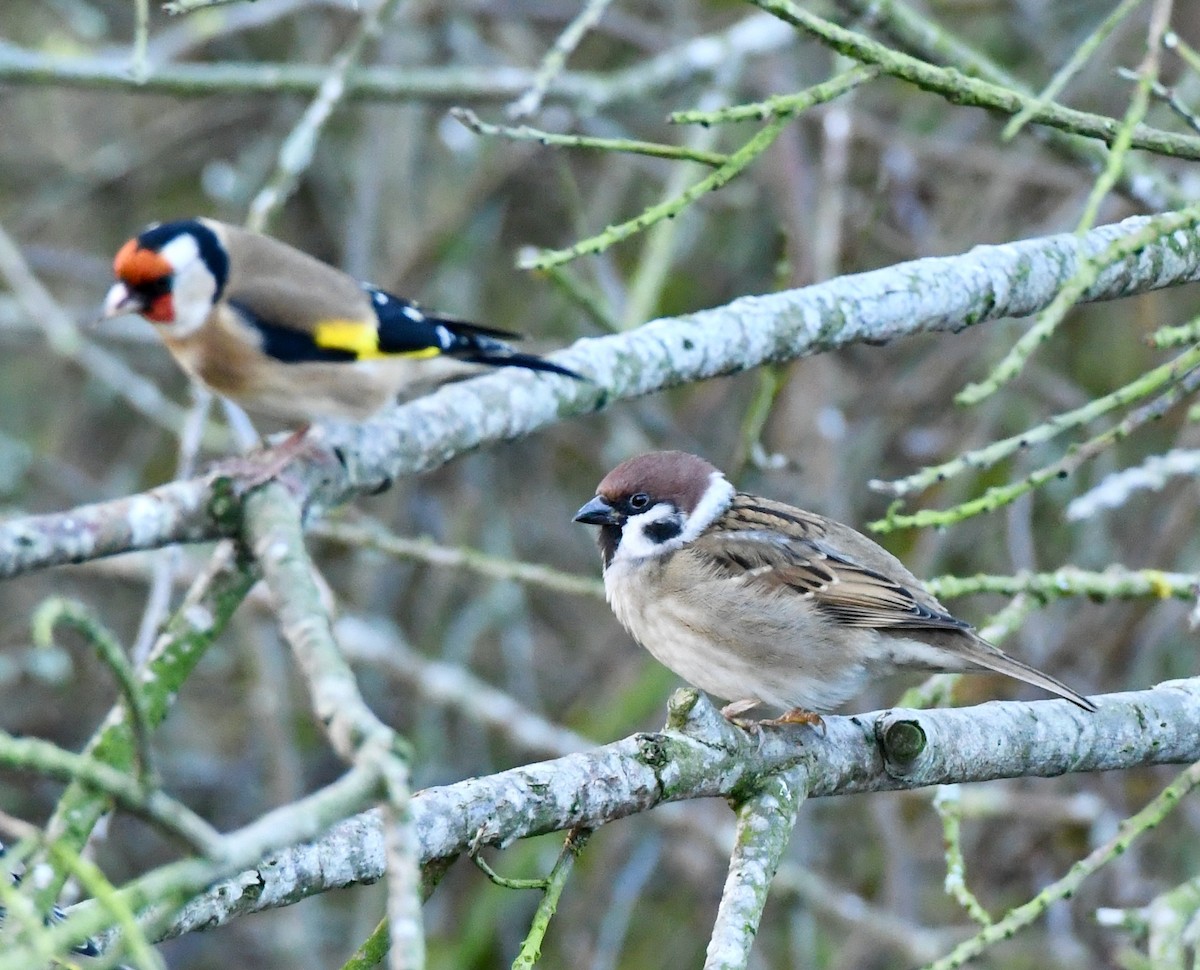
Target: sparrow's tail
(985,655)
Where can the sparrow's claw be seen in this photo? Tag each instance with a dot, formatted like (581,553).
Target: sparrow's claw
(732,713)
(798,715)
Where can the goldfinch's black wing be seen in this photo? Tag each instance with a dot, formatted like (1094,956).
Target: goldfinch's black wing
(286,343)
(404,328)
(391,327)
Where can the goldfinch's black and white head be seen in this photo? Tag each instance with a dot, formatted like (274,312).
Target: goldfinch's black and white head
(172,274)
(656,503)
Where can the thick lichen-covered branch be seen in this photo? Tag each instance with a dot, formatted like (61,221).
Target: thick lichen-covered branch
(923,296)
(765,821)
(709,758)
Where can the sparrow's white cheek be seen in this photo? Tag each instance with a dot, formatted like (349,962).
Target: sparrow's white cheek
(713,503)
(652,533)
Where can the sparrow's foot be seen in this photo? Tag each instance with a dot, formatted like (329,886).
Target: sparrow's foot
(798,715)
(733,712)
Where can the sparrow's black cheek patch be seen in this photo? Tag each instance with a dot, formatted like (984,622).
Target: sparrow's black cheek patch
(610,538)
(663,530)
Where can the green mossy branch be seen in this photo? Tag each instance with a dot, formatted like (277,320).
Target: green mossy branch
(947,803)
(1079,58)
(61,611)
(187,636)
(545,259)
(1114,583)
(1130,829)
(999,496)
(630,146)
(781,105)
(980,458)
(962,89)
(531,946)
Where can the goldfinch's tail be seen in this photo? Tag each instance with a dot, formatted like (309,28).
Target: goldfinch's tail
(405,329)
(481,345)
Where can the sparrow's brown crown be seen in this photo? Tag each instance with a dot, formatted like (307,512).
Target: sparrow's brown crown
(664,476)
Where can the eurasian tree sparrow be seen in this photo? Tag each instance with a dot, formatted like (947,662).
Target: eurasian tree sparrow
(759,602)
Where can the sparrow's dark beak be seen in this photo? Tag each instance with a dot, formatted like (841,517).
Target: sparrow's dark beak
(598,512)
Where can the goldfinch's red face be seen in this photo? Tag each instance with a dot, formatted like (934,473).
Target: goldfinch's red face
(144,278)
(171,274)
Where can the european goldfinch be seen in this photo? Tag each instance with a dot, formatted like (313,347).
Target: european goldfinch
(282,333)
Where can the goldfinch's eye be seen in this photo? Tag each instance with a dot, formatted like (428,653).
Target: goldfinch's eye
(639,502)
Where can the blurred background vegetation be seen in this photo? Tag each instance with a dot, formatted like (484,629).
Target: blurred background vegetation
(400,193)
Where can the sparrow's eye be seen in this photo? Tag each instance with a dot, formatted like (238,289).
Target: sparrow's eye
(639,502)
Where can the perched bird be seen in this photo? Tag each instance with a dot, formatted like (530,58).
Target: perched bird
(282,333)
(759,602)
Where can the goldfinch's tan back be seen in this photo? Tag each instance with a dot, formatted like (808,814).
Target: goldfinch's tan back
(283,285)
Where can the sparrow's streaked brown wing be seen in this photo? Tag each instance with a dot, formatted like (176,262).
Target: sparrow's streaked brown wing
(786,547)
(850,594)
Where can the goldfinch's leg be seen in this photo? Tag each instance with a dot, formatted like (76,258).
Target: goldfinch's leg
(270,463)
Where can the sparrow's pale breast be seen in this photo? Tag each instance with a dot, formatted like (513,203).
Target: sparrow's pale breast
(731,641)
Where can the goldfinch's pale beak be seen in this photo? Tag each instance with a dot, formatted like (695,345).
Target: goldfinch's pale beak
(598,512)
(121,300)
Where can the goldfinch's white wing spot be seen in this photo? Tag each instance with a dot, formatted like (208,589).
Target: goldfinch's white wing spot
(445,337)
(415,315)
